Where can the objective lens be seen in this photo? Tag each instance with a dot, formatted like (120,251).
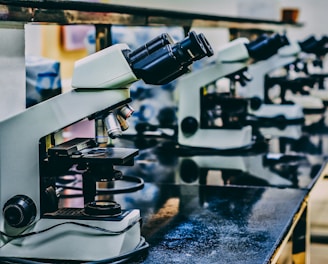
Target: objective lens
(126,111)
(123,123)
(113,126)
(150,47)
(101,133)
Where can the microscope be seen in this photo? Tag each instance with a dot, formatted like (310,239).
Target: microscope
(214,119)
(278,106)
(310,66)
(256,87)
(32,225)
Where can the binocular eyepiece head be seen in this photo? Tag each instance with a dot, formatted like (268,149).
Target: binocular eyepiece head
(266,46)
(194,47)
(160,60)
(308,45)
(312,45)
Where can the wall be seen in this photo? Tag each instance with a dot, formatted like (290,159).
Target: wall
(12,71)
(314,15)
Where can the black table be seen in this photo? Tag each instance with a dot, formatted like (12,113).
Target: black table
(213,224)
(201,207)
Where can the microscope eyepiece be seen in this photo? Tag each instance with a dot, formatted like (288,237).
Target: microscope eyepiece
(308,45)
(192,48)
(160,60)
(150,47)
(206,44)
(312,45)
(264,47)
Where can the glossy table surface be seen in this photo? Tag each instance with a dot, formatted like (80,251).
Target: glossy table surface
(210,224)
(203,207)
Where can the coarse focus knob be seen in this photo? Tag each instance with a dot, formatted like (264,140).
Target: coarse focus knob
(255,103)
(19,211)
(189,125)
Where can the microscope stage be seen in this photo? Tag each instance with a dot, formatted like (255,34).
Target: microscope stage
(86,150)
(116,156)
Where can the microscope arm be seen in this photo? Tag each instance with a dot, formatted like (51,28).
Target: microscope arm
(97,71)
(231,58)
(189,85)
(286,55)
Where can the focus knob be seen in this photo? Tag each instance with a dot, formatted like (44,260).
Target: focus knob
(189,125)
(19,211)
(255,103)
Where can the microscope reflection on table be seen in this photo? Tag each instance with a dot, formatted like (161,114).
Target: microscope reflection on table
(32,226)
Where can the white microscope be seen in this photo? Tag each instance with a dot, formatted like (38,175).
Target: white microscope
(31,224)
(228,129)
(311,66)
(280,107)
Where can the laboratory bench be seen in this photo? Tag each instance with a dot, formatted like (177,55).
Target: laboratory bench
(203,206)
(215,206)
(215,224)
(197,223)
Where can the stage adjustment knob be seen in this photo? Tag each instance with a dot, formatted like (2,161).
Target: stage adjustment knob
(19,211)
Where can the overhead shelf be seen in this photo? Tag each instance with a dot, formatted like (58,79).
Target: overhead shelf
(84,12)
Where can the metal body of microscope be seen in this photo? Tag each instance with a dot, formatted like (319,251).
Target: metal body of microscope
(31,225)
(286,110)
(256,87)
(194,99)
(310,66)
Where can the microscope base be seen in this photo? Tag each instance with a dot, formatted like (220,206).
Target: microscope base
(290,113)
(218,138)
(77,242)
(321,94)
(289,131)
(309,103)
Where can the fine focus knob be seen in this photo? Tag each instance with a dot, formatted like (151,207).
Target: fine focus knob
(103,208)
(19,211)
